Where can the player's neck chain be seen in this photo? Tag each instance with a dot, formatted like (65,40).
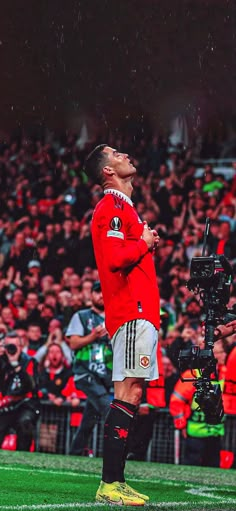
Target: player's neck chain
(121,195)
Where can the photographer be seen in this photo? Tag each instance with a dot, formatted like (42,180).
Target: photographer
(18,407)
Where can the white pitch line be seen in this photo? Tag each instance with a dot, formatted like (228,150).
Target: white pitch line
(204,492)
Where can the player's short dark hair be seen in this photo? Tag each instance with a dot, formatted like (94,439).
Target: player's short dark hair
(94,164)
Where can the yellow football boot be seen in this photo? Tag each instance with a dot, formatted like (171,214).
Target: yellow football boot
(118,494)
(135,492)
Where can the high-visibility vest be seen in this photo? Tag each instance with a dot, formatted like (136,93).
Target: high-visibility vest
(229,396)
(180,401)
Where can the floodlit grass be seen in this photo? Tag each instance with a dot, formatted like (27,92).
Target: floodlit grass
(45,482)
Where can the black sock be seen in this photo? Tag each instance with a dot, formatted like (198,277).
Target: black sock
(116,430)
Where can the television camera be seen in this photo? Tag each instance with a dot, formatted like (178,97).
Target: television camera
(210,278)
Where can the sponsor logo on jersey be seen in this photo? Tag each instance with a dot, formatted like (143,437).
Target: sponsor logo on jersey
(115,234)
(144,361)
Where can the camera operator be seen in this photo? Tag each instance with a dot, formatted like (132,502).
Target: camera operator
(18,406)
(202,440)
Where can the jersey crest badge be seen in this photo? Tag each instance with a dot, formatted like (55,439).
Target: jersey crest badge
(144,361)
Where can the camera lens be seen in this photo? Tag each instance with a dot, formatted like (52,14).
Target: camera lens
(11,349)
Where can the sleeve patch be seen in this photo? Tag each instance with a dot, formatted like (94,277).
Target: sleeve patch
(115,234)
(116,223)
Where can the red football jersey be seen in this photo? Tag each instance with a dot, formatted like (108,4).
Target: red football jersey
(125,265)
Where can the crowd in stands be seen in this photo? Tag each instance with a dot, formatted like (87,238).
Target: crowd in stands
(47,264)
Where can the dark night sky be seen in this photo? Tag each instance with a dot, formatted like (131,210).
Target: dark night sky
(115,58)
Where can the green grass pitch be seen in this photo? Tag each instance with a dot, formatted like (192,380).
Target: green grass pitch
(46,482)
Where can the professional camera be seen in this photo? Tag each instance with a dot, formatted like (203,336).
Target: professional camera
(5,364)
(211,278)
(10,348)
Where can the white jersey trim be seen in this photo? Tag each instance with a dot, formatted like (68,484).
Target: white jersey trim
(119,194)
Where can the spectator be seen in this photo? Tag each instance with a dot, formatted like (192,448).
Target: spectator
(22,333)
(50,298)
(32,278)
(85,254)
(47,313)
(35,338)
(32,307)
(16,304)
(67,245)
(70,303)
(224,242)
(8,318)
(20,254)
(46,260)
(86,291)
(193,312)
(54,376)
(46,283)
(55,337)
(74,283)
(66,274)
(6,240)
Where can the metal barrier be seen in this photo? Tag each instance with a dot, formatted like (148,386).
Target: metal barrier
(54,434)
(164,444)
(53,428)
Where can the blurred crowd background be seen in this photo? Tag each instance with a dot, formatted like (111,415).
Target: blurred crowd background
(47,265)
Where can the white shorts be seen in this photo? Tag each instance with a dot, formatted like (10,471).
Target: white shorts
(134,348)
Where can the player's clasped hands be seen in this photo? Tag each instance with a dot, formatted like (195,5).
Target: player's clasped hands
(151,236)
